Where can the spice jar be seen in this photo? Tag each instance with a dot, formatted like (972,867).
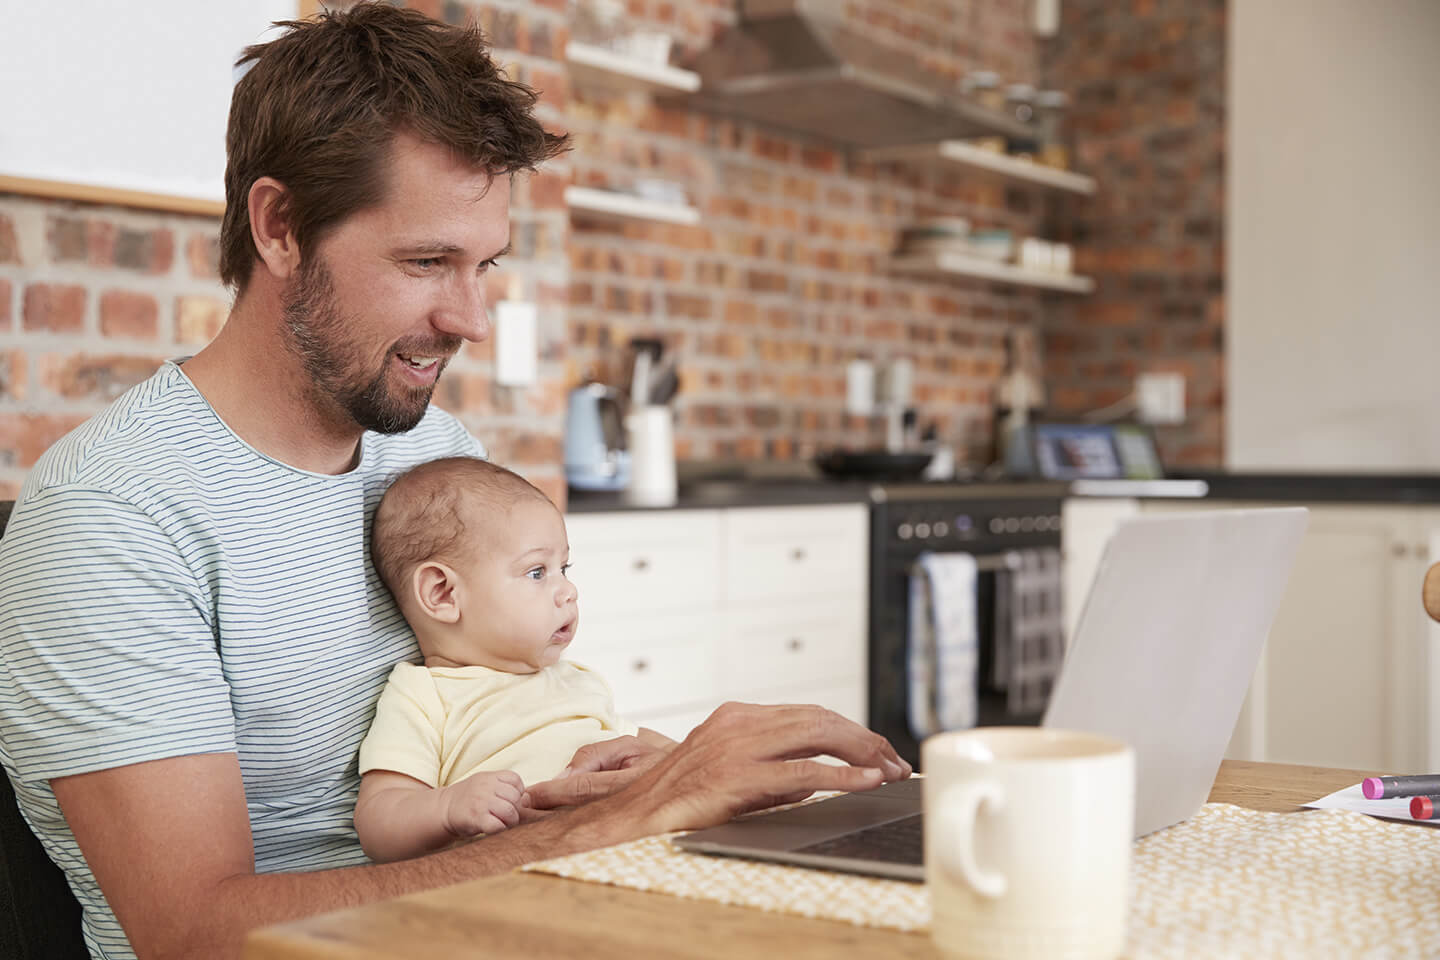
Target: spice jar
(1050,107)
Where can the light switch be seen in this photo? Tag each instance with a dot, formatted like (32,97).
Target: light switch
(860,388)
(1160,397)
(516,352)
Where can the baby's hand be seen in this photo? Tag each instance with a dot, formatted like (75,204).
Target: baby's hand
(482,803)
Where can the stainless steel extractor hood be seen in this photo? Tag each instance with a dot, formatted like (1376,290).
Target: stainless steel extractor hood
(798,66)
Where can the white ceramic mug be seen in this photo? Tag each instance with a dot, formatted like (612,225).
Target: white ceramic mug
(1028,836)
(650,436)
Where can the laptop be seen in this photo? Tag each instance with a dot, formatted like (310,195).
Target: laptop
(1163,655)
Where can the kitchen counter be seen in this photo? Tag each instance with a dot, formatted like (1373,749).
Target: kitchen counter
(782,492)
(1289,487)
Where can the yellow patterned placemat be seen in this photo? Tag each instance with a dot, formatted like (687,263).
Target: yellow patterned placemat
(1229,882)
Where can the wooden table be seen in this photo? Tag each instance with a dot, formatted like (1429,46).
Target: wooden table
(525,915)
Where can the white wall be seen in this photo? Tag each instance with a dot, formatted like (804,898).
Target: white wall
(1333,235)
(125,95)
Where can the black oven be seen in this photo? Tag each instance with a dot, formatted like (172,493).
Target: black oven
(995,523)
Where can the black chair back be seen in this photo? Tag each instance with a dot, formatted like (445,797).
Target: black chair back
(39,916)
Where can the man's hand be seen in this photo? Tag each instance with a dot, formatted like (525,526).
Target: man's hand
(482,803)
(599,769)
(743,758)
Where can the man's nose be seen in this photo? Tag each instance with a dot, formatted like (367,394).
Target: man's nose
(464,313)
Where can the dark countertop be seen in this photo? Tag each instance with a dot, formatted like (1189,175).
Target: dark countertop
(1376,488)
(781,491)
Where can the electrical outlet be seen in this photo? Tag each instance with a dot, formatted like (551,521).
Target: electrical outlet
(1160,397)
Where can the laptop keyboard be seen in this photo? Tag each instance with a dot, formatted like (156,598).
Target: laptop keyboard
(899,841)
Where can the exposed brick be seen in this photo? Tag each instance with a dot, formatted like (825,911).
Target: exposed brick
(14,374)
(24,436)
(9,243)
(54,307)
(150,251)
(91,377)
(127,314)
(198,319)
(202,254)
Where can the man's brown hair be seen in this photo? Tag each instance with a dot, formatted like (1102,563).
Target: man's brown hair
(422,515)
(319,108)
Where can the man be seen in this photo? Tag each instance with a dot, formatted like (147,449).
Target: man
(191,636)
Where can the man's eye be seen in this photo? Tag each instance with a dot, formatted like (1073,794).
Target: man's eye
(425,263)
(487,264)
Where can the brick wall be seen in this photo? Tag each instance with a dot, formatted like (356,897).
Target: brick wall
(766,300)
(1148,82)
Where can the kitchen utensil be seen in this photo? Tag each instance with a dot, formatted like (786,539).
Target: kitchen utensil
(873,464)
(667,382)
(595,454)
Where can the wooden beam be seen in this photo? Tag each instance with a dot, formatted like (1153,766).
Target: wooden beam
(118,196)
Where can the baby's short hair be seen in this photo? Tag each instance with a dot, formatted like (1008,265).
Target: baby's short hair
(420,517)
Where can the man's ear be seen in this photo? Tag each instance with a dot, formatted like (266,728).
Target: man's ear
(270,228)
(437,591)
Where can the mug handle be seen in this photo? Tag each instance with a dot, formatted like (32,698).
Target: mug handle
(958,806)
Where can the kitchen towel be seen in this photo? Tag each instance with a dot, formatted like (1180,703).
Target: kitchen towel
(942,654)
(1029,629)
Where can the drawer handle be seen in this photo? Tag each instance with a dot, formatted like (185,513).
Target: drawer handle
(1399,550)
(640,666)
(798,554)
(796,644)
(641,564)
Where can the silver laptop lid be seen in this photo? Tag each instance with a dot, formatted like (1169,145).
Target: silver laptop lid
(1168,641)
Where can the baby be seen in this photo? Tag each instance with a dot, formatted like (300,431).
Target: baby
(476,558)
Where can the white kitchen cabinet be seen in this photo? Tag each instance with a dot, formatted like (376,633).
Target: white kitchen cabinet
(682,610)
(1350,673)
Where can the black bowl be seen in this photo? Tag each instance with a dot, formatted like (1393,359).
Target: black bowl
(873,464)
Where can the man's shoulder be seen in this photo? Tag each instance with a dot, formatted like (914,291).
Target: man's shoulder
(155,420)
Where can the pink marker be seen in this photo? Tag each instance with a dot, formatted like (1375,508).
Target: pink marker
(1383,788)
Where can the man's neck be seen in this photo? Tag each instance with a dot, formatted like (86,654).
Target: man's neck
(263,393)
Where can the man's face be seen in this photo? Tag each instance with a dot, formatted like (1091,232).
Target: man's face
(389,296)
(519,609)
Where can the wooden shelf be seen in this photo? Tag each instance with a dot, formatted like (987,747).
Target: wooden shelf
(610,203)
(959,264)
(593,66)
(985,162)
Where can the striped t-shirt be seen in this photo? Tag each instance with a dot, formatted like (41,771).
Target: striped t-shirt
(167,590)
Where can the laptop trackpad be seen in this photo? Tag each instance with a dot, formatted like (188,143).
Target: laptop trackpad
(813,823)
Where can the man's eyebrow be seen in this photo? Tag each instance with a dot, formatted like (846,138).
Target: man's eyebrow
(430,248)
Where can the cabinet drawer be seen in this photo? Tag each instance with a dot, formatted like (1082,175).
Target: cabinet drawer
(846,699)
(655,677)
(780,553)
(645,562)
(799,650)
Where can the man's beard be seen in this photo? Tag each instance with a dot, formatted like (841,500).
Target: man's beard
(318,334)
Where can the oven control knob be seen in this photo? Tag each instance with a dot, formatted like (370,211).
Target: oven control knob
(922,530)
(1012,525)
(996,524)
(1028,523)
(904,531)
(940,529)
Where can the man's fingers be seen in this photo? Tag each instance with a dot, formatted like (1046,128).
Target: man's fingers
(578,788)
(606,755)
(797,731)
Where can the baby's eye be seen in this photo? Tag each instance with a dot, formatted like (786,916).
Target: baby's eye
(565,570)
(536,573)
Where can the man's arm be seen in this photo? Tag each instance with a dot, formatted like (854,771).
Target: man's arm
(169,840)
(398,817)
(169,843)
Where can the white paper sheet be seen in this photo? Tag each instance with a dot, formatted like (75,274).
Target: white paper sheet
(1352,798)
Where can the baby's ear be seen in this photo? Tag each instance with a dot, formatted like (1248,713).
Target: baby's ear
(436,591)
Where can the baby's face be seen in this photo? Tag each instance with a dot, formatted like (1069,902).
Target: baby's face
(519,609)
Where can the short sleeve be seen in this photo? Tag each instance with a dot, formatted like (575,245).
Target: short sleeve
(108,653)
(407,735)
